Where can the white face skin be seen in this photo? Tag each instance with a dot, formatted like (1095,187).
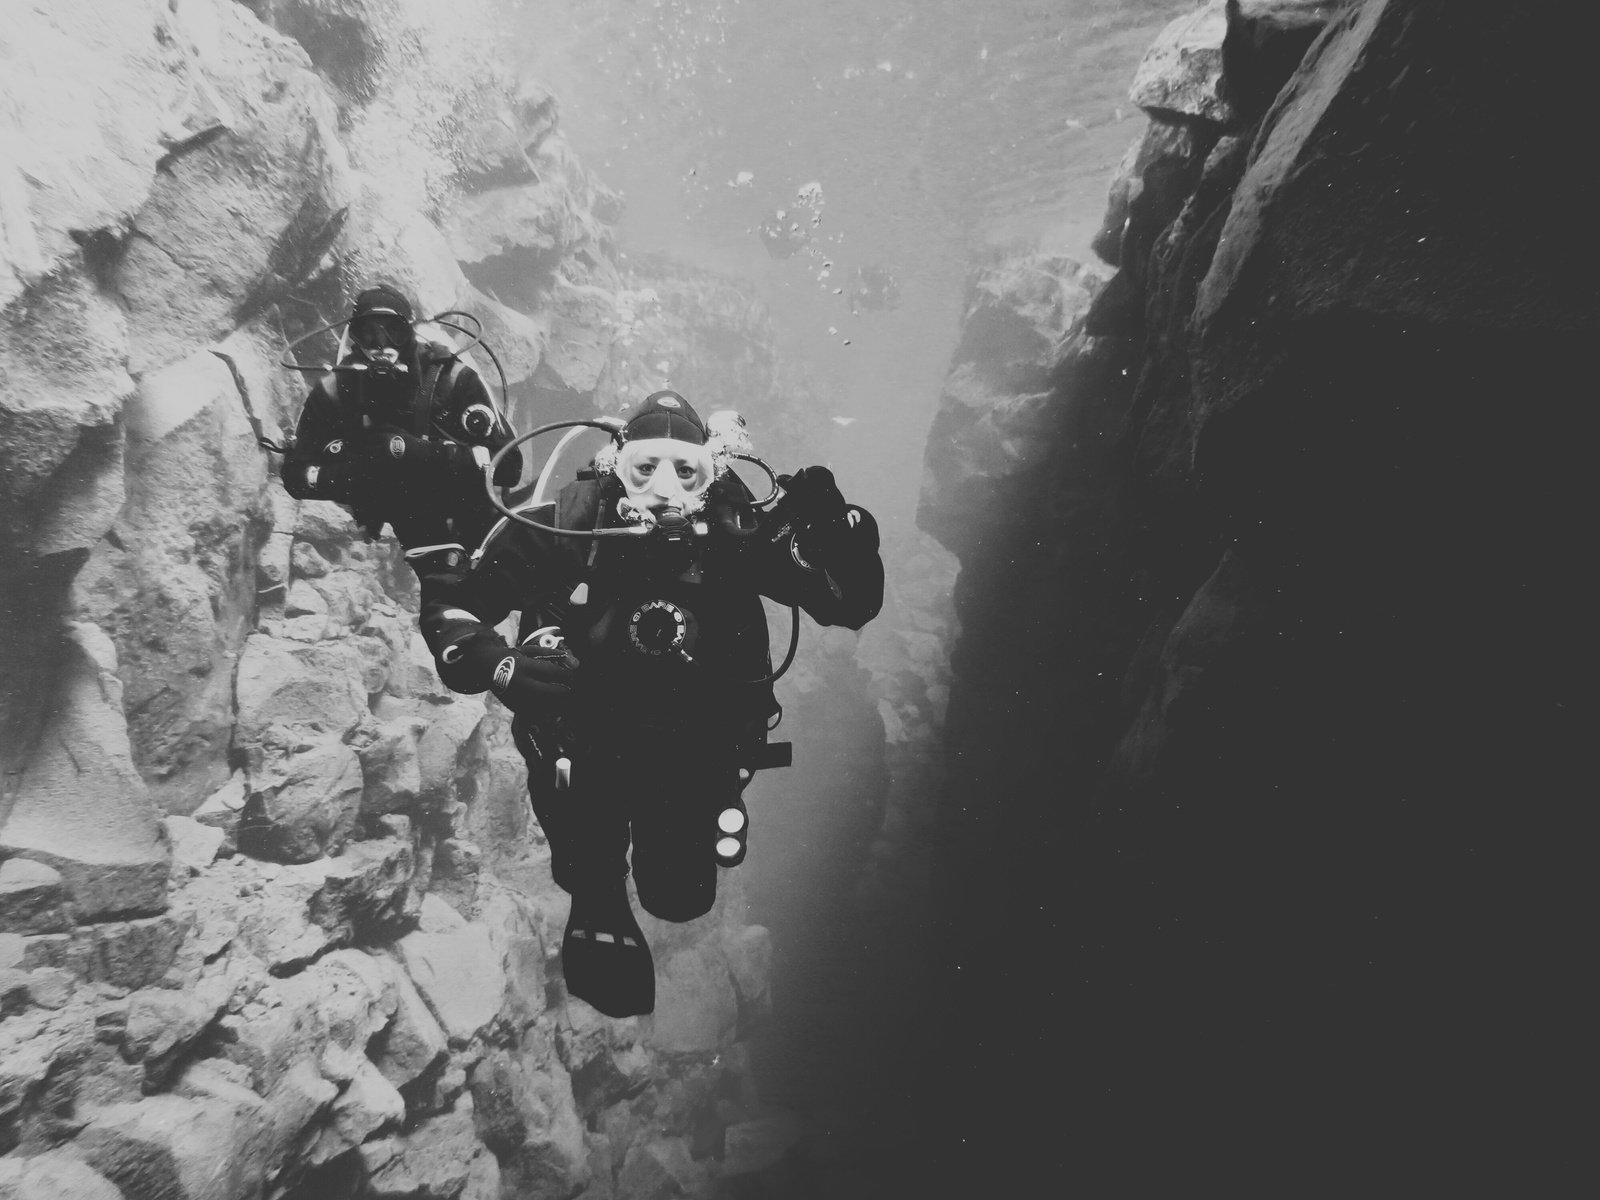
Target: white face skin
(664,473)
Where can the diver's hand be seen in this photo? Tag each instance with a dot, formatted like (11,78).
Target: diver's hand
(817,506)
(533,681)
(813,496)
(410,461)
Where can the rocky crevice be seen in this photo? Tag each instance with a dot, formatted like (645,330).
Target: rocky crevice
(274,918)
(1284,613)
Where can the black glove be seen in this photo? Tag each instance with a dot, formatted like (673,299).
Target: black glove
(813,502)
(412,464)
(813,496)
(535,682)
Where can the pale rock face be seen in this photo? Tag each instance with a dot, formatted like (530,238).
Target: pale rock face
(170,1145)
(51,1176)
(80,806)
(207,671)
(441,1157)
(303,807)
(1181,73)
(413,1042)
(30,897)
(458,974)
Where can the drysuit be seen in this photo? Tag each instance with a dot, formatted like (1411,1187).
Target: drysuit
(645,664)
(400,437)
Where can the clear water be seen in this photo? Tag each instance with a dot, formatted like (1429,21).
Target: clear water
(897,138)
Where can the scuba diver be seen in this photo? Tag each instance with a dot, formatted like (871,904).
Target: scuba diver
(641,681)
(399,431)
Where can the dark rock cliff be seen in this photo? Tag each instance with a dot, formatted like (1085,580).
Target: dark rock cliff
(1265,774)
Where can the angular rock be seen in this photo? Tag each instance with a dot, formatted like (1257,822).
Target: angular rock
(131,954)
(437,916)
(749,958)
(1181,72)
(451,748)
(459,975)
(990,433)
(660,1170)
(230,225)
(194,844)
(456,863)
(287,915)
(1266,41)
(221,809)
(367,1104)
(358,997)
(389,766)
(305,689)
(297,1100)
(36,1046)
(304,600)
(65,349)
(30,898)
(525,1113)
(696,1007)
(283,1026)
(50,987)
(173,1148)
(442,1159)
(13,991)
(80,805)
(513,929)
(175,589)
(53,1175)
(305,808)
(413,1043)
(160,1026)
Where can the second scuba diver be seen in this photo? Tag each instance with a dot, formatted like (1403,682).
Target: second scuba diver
(399,431)
(641,681)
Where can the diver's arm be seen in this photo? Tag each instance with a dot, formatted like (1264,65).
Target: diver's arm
(460,608)
(471,417)
(822,553)
(328,459)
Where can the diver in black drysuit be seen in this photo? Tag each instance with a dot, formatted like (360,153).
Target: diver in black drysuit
(400,435)
(644,664)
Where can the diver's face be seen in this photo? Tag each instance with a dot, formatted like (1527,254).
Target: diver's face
(664,473)
(380,332)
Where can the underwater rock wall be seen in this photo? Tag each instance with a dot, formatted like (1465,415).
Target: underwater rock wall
(274,921)
(1265,721)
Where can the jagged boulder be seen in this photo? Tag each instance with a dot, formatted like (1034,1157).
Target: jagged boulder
(996,415)
(441,1159)
(246,208)
(305,807)
(524,1111)
(459,974)
(80,806)
(31,896)
(53,1175)
(1181,73)
(413,1043)
(171,1147)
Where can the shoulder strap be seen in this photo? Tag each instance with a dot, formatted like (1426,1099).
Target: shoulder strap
(427,395)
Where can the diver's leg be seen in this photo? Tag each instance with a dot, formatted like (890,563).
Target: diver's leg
(675,837)
(603,953)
